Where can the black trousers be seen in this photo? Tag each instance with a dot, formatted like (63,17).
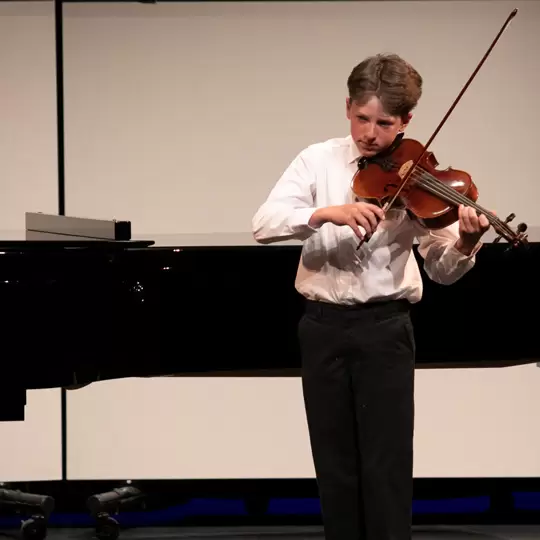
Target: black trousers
(358,384)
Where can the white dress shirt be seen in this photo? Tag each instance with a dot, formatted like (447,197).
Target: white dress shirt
(331,268)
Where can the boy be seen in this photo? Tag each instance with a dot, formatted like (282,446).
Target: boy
(356,335)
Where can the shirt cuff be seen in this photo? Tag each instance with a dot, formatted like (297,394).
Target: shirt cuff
(461,256)
(300,220)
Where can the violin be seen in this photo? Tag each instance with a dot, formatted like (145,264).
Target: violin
(407,173)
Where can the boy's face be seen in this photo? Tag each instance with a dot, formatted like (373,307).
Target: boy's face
(372,129)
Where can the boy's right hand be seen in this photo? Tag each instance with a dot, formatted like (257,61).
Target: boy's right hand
(365,214)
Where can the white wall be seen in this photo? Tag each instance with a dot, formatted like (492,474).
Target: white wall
(180,117)
(469,423)
(28,159)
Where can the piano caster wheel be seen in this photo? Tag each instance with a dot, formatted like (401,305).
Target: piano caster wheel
(107,528)
(34,528)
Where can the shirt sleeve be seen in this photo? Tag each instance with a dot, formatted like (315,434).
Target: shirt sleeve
(443,263)
(286,212)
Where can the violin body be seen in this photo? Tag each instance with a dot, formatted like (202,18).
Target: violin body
(379,178)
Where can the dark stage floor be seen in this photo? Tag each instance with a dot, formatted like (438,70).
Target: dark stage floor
(300,533)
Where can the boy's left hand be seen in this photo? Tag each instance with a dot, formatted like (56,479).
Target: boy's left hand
(471,229)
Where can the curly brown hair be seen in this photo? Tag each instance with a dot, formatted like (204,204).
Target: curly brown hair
(390,78)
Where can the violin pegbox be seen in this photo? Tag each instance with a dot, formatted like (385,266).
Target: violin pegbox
(520,238)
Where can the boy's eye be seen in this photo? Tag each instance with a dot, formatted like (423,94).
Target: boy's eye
(383,123)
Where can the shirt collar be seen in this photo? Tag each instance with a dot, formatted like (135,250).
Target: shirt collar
(353,154)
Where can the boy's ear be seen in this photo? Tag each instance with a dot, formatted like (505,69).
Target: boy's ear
(406,119)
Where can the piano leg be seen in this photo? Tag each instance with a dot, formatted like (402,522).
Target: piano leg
(39,507)
(102,505)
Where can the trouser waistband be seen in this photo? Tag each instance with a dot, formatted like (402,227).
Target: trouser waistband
(314,307)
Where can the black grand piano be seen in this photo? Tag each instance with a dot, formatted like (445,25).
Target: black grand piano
(83,302)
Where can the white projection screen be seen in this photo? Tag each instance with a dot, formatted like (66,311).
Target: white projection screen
(180,117)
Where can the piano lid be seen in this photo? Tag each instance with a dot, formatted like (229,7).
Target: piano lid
(20,241)
(209,240)
(245,239)
(16,240)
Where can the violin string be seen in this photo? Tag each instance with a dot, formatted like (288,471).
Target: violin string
(435,186)
(454,197)
(450,195)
